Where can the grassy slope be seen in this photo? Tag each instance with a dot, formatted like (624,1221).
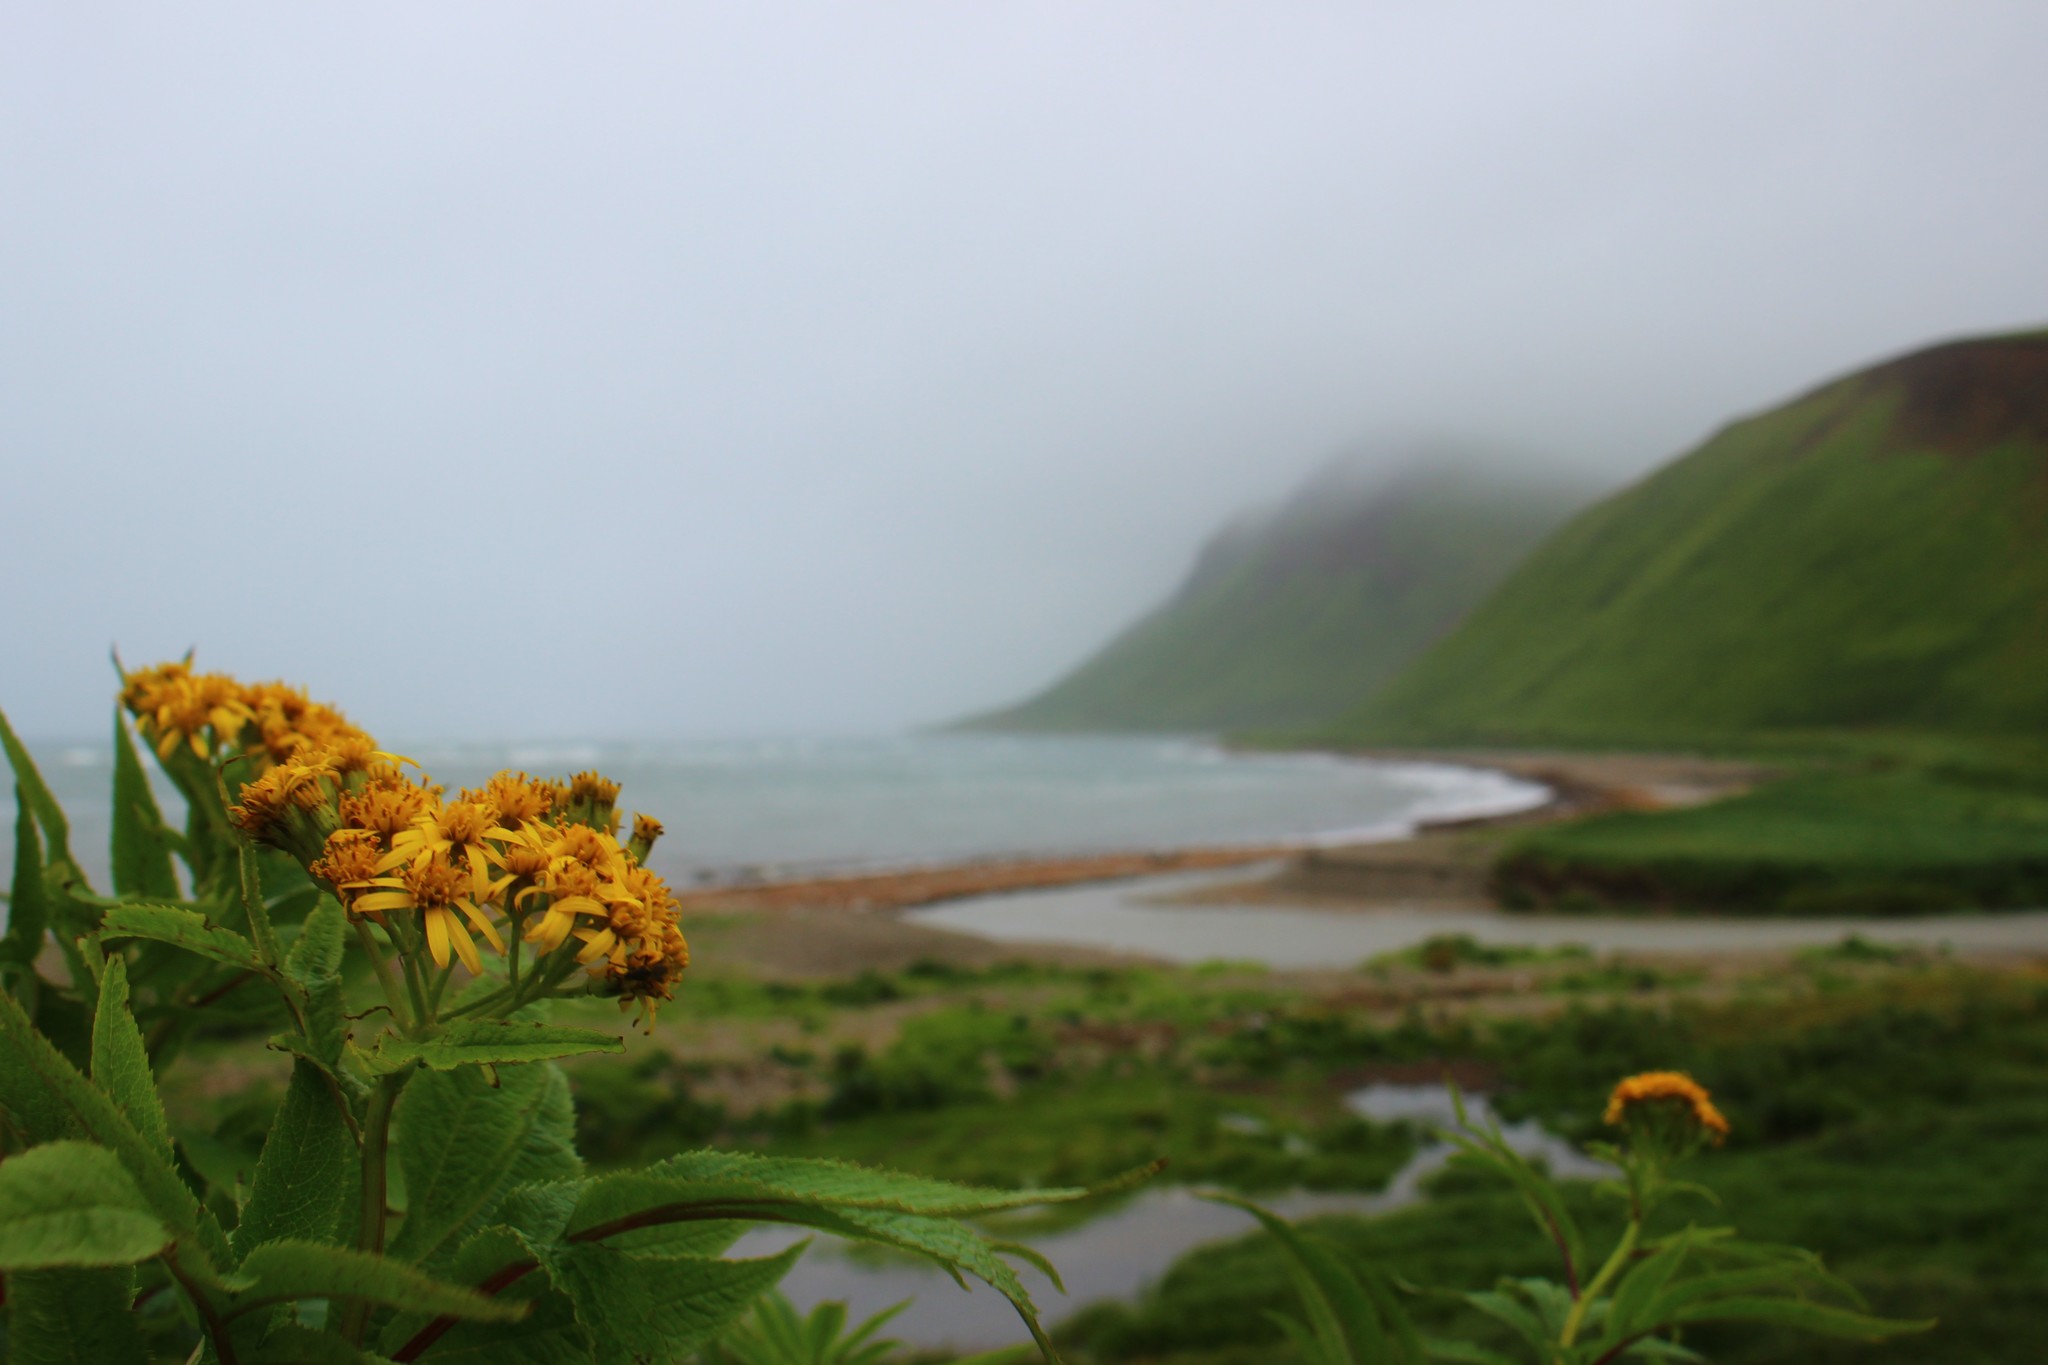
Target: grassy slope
(1868,555)
(1290,621)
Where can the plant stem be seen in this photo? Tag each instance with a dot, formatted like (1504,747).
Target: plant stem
(376,1190)
(217,1330)
(393,996)
(1622,1251)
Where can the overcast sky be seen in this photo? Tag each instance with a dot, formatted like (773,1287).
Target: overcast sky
(570,369)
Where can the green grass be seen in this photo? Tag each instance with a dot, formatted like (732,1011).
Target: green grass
(1865,556)
(1834,842)
(1289,621)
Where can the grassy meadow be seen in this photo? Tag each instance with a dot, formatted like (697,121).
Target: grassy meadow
(1886,1110)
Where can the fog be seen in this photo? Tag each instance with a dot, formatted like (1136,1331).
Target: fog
(647,369)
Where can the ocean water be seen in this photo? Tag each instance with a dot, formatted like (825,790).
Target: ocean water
(738,810)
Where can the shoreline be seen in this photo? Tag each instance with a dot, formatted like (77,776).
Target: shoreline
(1577,784)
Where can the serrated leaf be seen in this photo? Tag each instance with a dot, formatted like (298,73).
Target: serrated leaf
(120,1063)
(47,1093)
(309,1172)
(551,1335)
(28,904)
(462,1143)
(72,1317)
(284,1271)
(187,929)
(288,1343)
(660,1308)
(314,966)
(72,1204)
(480,1042)
(35,794)
(138,850)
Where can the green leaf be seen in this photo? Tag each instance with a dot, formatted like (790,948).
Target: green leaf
(463,1142)
(28,904)
(1464,1352)
(72,1317)
(287,1343)
(254,906)
(551,1336)
(52,1099)
(309,1172)
(1487,1150)
(314,966)
(187,929)
(479,1042)
(1349,1320)
(843,1185)
(72,1204)
(36,796)
(1502,1308)
(660,1308)
(139,850)
(1803,1316)
(283,1271)
(1639,1288)
(120,1063)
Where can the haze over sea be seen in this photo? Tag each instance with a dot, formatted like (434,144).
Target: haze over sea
(738,809)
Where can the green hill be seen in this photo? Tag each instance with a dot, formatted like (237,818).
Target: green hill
(1868,556)
(1289,617)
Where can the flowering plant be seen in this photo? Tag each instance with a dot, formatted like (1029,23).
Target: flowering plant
(418,1195)
(1640,1300)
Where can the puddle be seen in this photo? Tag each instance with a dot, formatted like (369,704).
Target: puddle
(1127,1249)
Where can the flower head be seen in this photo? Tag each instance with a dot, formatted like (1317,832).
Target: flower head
(439,890)
(1666,1103)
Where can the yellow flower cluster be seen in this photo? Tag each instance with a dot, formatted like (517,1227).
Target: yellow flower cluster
(537,857)
(1671,1091)
(211,713)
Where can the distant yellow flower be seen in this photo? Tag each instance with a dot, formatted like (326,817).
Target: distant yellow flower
(177,707)
(438,889)
(1671,1089)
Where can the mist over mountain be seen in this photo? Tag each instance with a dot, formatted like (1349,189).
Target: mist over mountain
(1292,613)
(1867,555)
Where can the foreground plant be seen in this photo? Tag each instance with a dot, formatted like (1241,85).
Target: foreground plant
(403,948)
(1637,1303)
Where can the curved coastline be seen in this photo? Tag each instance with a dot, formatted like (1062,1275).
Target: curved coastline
(1471,795)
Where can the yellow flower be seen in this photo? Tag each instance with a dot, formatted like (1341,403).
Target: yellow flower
(438,890)
(1671,1091)
(350,859)
(519,799)
(573,887)
(177,706)
(386,806)
(457,830)
(640,951)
